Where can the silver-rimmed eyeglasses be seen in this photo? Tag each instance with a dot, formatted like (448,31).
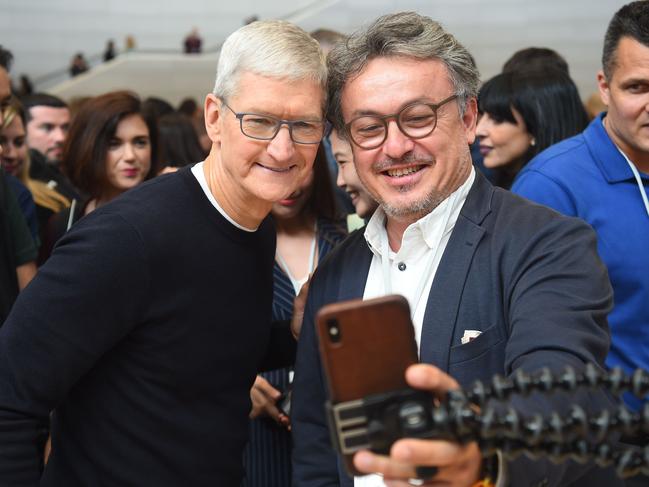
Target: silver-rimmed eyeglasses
(416,120)
(266,127)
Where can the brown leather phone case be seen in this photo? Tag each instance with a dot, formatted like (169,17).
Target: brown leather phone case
(366,347)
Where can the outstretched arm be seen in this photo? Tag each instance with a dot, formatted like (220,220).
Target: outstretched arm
(457,464)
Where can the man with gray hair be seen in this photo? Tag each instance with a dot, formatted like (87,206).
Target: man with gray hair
(145,329)
(495,284)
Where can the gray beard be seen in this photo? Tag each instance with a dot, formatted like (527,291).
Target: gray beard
(415,209)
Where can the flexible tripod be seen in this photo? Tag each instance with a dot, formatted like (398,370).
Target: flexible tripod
(375,422)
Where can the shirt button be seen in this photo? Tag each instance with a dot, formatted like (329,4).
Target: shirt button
(401,266)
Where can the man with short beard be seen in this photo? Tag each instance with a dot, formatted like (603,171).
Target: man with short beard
(602,176)
(48,120)
(495,284)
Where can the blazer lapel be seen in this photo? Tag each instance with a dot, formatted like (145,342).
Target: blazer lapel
(446,291)
(356,266)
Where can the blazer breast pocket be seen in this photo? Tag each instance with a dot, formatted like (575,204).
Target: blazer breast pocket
(479,359)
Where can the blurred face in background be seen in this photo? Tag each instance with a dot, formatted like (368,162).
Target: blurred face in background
(128,159)
(47,130)
(5,93)
(502,142)
(347,178)
(294,204)
(14,147)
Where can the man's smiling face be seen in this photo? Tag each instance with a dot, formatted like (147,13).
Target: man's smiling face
(409,177)
(267,170)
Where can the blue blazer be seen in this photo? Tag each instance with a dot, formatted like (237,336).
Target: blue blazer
(528,278)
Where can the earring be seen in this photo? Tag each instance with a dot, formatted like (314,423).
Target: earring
(533,142)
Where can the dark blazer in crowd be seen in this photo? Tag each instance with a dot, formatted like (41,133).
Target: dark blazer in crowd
(529,279)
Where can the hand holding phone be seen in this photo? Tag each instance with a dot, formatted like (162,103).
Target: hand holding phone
(455,464)
(366,347)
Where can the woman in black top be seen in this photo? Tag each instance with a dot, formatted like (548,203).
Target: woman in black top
(111,147)
(524,113)
(307,229)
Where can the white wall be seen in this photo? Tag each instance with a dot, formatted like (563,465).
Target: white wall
(44,34)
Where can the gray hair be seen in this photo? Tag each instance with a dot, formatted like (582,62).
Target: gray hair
(405,34)
(273,48)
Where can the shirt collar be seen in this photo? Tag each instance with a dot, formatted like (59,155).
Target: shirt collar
(608,156)
(428,228)
(197,171)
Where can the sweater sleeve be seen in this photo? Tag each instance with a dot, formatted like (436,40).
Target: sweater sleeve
(559,297)
(85,299)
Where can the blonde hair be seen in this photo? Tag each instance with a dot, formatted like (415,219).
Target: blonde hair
(43,195)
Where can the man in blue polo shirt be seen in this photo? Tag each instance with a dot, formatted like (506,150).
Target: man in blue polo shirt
(602,176)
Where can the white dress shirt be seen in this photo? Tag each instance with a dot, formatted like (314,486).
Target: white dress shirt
(411,270)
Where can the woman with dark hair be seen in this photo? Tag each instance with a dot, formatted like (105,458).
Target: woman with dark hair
(523,113)
(307,229)
(179,145)
(111,147)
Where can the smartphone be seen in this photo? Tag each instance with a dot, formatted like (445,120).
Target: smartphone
(366,347)
(284,403)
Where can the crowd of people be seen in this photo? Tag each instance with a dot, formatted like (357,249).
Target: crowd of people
(161,268)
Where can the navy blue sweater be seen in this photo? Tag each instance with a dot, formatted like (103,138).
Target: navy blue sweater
(143,332)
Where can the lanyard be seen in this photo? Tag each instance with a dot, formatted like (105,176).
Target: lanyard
(638,180)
